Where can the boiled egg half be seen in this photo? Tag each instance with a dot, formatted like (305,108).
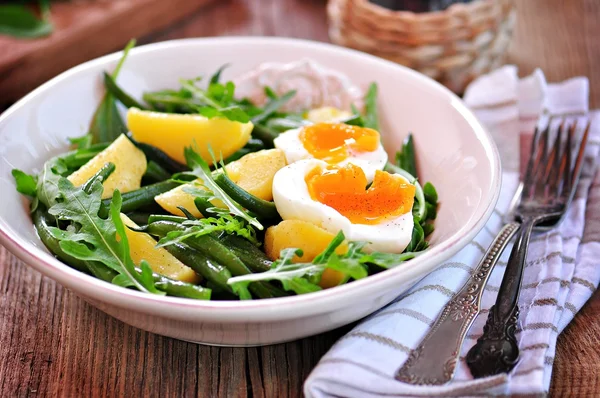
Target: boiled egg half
(336,144)
(336,197)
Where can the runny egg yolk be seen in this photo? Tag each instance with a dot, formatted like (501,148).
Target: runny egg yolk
(344,189)
(333,142)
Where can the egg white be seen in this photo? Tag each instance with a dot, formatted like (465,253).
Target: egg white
(293,201)
(289,142)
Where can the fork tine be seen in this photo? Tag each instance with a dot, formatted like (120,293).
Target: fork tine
(534,158)
(578,161)
(552,176)
(540,173)
(568,171)
(568,161)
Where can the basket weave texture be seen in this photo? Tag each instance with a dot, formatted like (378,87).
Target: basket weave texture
(453,46)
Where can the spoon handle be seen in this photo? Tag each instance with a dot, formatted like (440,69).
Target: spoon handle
(434,360)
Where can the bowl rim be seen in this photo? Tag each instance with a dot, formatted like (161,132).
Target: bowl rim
(265,309)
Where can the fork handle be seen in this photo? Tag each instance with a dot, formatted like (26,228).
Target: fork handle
(497,351)
(434,360)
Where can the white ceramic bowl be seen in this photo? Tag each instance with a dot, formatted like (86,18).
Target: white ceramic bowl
(454,152)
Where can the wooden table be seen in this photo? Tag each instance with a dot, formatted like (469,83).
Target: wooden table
(53,343)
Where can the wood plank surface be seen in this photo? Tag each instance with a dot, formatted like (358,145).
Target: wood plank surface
(82,30)
(54,344)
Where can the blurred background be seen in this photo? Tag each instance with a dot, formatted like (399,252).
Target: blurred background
(452,41)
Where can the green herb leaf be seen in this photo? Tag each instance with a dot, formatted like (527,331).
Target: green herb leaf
(200,94)
(91,238)
(48,191)
(217,75)
(405,158)
(270,93)
(26,184)
(83,142)
(274,104)
(117,92)
(302,277)
(107,123)
(233,113)
(201,170)
(387,260)
(19,21)
(371,119)
(430,193)
(204,226)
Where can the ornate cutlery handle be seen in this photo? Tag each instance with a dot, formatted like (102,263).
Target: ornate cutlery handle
(497,350)
(434,360)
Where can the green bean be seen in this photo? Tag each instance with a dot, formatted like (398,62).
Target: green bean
(113,88)
(138,217)
(156,172)
(40,221)
(211,247)
(265,134)
(165,217)
(140,197)
(102,174)
(209,269)
(180,289)
(251,255)
(78,157)
(203,206)
(264,210)
(102,272)
(99,270)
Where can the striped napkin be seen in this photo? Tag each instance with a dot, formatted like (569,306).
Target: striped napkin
(561,272)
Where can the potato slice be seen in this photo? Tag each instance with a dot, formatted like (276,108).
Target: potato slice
(327,114)
(142,247)
(130,165)
(308,237)
(173,132)
(253,172)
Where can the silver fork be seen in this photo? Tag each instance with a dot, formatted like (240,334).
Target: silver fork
(548,189)
(433,362)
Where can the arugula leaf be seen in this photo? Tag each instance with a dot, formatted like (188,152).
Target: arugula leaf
(47,186)
(371,118)
(19,21)
(233,113)
(26,184)
(302,277)
(199,94)
(270,93)
(107,123)
(91,238)
(430,193)
(217,75)
(204,226)
(387,260)
(274,104)
(83,142)
(405,157)
(222,93)
(201,170)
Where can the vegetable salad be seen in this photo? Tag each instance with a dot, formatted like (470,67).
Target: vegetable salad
(203,194)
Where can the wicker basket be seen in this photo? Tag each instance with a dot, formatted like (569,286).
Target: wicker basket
(453,46)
